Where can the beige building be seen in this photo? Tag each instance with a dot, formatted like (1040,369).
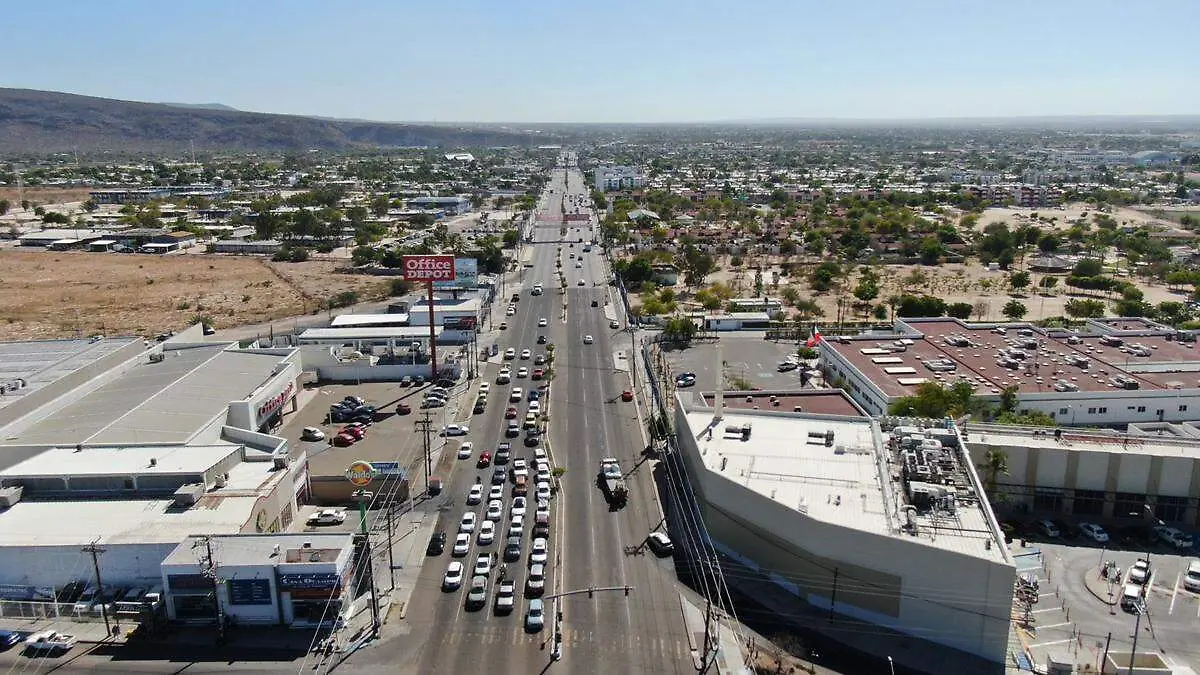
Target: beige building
(822,505)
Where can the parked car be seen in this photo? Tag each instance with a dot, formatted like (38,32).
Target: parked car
(50,641)
(344,440)
(1173,537)
(437,544)
(9,638)
(685,380)
(1094,532)
(357,432)
(312,434)
(485,460)
(660,543)
(1139,572)
(327,517)
(1049,529)
(403,409)
(456,430)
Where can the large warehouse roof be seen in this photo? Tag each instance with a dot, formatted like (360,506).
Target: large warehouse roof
(141,521)
(43,362)
(164,402)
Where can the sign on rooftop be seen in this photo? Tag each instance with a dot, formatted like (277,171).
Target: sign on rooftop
(360,473)
(429,268)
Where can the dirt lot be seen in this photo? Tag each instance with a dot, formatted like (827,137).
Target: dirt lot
(44,195)
(46,294)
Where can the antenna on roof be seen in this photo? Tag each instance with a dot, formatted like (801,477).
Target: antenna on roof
(719,402)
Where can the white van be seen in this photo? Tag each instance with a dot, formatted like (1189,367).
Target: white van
(1191,580)
(1131,597)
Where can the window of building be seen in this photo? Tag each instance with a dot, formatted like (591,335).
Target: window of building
(1062,411)
(1159,412)
(1088,503)
(1048,500)
(1183,408)
(1091,411)
(1171,509)
(1129,505)
(1103,410)
(1141,408)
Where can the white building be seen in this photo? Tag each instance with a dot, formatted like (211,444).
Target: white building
(284,579)
(619,178)
(1122,371)
(817,504)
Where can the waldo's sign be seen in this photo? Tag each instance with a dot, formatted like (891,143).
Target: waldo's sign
(429,268)
(360,473)
(273,404)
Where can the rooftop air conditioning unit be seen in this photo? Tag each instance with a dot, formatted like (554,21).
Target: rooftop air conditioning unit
(9,496)
(281,461)
(188,495)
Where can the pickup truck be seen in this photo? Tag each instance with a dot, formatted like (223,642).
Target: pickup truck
(1174,537)
(613,481)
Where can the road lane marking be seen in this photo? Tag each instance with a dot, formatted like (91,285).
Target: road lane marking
(1051,643)
(1174,594)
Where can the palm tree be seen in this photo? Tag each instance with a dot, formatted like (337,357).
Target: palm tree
(995,464)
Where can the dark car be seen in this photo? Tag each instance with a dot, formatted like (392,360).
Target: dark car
(533,441)
(685,380)
(9,638)
(480,408)
(437,544)
(499,475)
(512,550)
(502,453)
(541,339)
(403,409)
(595,303)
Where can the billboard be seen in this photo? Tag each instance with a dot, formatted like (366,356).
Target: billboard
(360,473)
(429,268)
(466,274)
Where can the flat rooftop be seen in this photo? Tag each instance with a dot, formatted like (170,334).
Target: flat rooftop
(1084,441)
(1166,364)
(43,362)
(259,549)
(369,333)
(468,304)
(353,320)
(108,461)
(815,401)
(143,521)
(848,484)
(166,402)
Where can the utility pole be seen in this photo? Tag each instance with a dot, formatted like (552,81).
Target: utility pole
(391,560)
(1107,642)
(425,426)
(208,568)
(363,497)
(96,551)
(1137,629)
(833,595)
(633,355)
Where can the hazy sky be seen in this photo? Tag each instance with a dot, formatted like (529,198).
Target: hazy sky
(617,60)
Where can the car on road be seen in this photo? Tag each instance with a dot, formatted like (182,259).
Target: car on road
(495,510)
(685,380)
(512,549)
(510,413)
(467,523)
(1094,532)
(433,403)
(475,494)
(462,544)
(503,325)
(456,430)
(487,533)
(510,354)
(535,406)
(496,492)
(542,323)
(535,616)
(504,376)
(312,434)
(660,543)
(538,373)
(526,354)
(357,432)
(50,641)
(406,381)
(327,517)
(483,565)
(437,543)
(539,360)
(516,525)
(464,450)
(541,339)
(539,552)
(614,324)
(587,339)
(1139,572)
(503,453)
(499,475)
(510,311)
(452,581)
(485,388)
(579,265)
(627,396)
(485,460)
(519,505)
(506,597)
(543,490)
(515,396)
(535,583)
(522,372)
(513,430)
(477,596)
(581,283)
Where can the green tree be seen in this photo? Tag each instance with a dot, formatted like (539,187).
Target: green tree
(960,310)
(1018,280)
(1048,282)
(1084,309)
(90,206)
(1015,310)
(510,238)
(363,255)
(679,328)
(932,250)
(56,218)
(823,276)
(995,464)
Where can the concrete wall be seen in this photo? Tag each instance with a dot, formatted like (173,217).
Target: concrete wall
(120,564)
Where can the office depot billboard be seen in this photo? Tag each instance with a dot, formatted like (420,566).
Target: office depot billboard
(426,268)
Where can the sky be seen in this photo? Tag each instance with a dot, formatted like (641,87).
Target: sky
(619,60)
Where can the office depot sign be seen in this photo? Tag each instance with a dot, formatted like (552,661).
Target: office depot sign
(429,268)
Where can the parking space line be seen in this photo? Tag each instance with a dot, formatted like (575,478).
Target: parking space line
(1050,643)
(1046,609)
(1174,595)
(1054,625)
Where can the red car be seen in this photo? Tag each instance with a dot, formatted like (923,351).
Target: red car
(344,440)
(485,459)
(627,395)
(510,413)
(356,432)
(403,409)
(538,373)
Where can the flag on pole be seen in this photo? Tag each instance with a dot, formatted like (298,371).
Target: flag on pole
(815,338)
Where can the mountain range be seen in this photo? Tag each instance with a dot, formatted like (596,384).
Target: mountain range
(40,122)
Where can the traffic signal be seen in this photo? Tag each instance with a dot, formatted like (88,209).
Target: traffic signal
(627,591)
(591,592)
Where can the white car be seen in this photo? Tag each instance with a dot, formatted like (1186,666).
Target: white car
(506,597)
(487,533)
(467,524)
(516,526)
(525,354)
(543,490)
(475,495)
(485,387)
(327,517)
(483,565)
(510,354)
(456,430)
(579,265)
(495,510)
(542,323)
(516,395)
(581,283)
(312,434)
(614,324)
(50,640)
(462,544)
(519,464)
(535,407)
(518,507)
(535,618)
(496,492)
(464,450)
(536,582)
(454,576)
(540,551)
(522,372)
(504,377)
(1139,573)
(1094,532)
(587,339)
(510,311)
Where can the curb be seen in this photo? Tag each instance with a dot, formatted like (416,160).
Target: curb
(1102,597)
(696,655)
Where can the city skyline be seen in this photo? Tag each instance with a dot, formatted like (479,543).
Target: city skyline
(621,62)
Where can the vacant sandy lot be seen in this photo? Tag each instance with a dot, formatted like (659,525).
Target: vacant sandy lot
(1063,217)
(48,294)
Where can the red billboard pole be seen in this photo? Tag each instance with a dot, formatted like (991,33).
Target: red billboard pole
(428,269)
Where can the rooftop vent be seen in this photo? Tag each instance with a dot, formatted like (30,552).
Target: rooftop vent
(307,544)
(153,461)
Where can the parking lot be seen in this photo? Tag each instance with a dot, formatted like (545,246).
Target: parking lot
(749,360)
(1078,609)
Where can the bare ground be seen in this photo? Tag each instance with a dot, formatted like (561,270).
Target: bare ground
(48,294)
